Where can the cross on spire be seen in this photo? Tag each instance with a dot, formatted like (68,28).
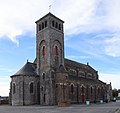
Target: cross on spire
(49,8)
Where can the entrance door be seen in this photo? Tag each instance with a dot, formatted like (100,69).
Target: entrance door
(83,96)
(38,92)
(83,99)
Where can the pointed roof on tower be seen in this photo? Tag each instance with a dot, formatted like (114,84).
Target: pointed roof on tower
(50,15)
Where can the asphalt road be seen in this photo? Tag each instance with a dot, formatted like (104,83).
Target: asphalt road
(92,108)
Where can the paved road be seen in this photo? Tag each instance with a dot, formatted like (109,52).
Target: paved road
(93,108)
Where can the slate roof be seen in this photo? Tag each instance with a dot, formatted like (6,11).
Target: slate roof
(94,81)
(49,14)
(27,69)
(75,64)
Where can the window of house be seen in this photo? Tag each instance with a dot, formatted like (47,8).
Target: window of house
(82,90)
(66,77)
(43,51)
(52,75)
(38,87)
(43,75)
(56,85)
(56,50)
(72,88)
(14,88)
(98,90)
(31,87)
(42,88)
(44,98)
(91,90)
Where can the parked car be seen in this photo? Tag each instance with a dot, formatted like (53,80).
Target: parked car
(114,99)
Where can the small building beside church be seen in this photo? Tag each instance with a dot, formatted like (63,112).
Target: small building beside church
(52,79)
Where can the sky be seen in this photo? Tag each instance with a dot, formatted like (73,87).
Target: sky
(91,34)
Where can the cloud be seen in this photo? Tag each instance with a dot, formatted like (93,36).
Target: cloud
(80,16)
(101,18)
(79,57)
(18,17)
(108,43)
(112,47)
(84,16)
(4,86)
(114,78)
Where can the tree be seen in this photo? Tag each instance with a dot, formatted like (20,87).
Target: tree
(115,93)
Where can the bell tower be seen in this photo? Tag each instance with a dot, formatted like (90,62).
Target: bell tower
(49,53)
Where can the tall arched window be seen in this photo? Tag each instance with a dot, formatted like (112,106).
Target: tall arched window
(56,25)
(91,90)
(45,23)
(72,88)
(43,51)
(42,25)
(53,23)
(98,91)
(43,76)
(14,91)
(56,50)
(42,88)
(82,90)
(44,98)
(39,27)
(59,27)
(31,87)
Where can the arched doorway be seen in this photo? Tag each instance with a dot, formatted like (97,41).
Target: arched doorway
(83,95)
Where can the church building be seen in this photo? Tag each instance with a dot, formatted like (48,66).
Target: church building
(52,79)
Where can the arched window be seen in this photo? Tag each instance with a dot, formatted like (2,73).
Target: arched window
(42,25)
(98,91)
(53,23)
(56,85)
(59,27)
(43,76)
(44,98)
(56,50)
(14,91)
(42,88)
(43,51)
(72,88)
(82,90)
(66,77)
(31,87)
(39,27)
(91,89)
(45,23)
(38,87)
(56,25)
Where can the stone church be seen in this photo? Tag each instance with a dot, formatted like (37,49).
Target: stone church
(52,79)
